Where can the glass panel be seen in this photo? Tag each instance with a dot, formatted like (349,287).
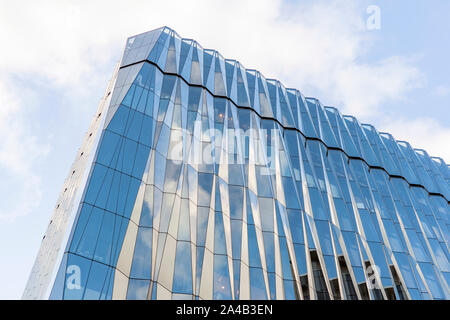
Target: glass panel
(142,259)
(257,286)
(222,289)
(182,279)
(138,289)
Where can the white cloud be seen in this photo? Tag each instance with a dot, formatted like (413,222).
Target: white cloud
(441,90)
(19,148)
(422,133)
(362,89)
(70,46)
(313,45)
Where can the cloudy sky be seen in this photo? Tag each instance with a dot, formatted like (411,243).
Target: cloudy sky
(57,56)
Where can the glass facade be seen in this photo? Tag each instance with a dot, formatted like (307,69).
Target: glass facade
(209,181)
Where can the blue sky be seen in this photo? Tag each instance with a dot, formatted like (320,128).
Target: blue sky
(57,57)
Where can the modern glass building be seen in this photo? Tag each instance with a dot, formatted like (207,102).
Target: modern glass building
(201,179)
